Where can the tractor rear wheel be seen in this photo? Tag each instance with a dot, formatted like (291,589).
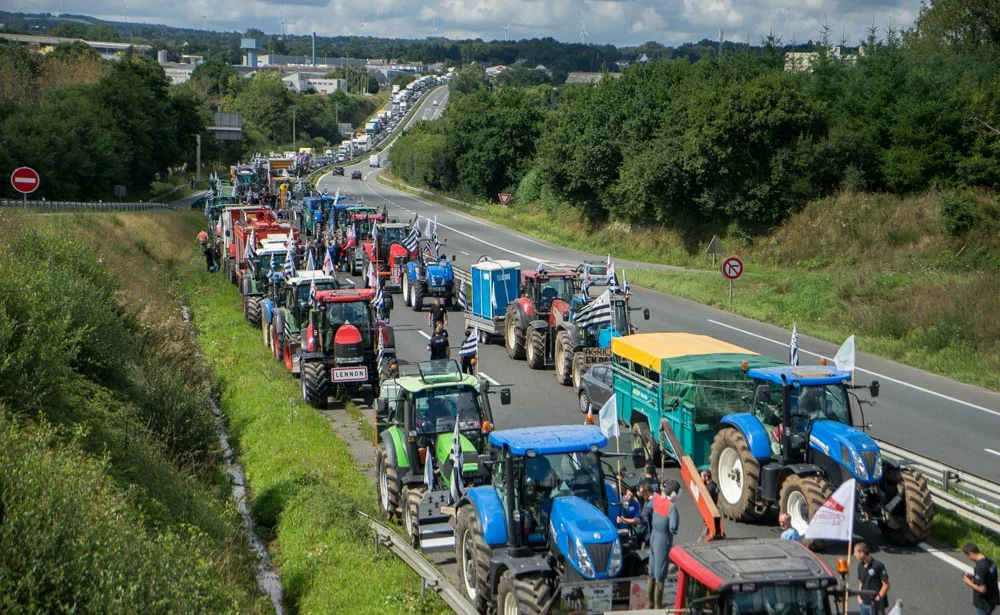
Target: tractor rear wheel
(528,594)
(253,311)
(651,448)
(801,497)
(473,556)
(315,384)
(389,485)
(914,525)
(564,358)
(738,475)
(278,325)
(406,290)
(418,296)
(513,335)
(411,513)
(578,369)
(265,328)
(535,349)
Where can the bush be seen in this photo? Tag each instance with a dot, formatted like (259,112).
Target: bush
(960,213)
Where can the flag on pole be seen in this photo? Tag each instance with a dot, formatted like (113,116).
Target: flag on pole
(412,241)
(428,230)
(429,469)
(626,288)
(457,463)
(793,358)
(372,276)
(897,609)
(434,236)
(289,269)
(835,518)
(609,270)
(312,293)
(379,299)
(311,263)
(271,268)
(463,300)
(251,252)
(328,263)
(470,347)
(597,312)
(844,360)
(587,283)
(608,417)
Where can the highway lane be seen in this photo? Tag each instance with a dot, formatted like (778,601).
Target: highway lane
(940,418)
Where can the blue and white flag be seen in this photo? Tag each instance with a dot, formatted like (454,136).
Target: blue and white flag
(463,300)
(587,283)
(435,239)
(379,300)
(271,268)
(609,269)
(289,269)
(312,293)
(412,241)
(251,252)
(793,358)
(470,346)
(626,288)
(457,463)
(595,313)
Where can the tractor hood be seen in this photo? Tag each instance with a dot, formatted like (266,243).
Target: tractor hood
(850,447)
(586,537)
(438,273)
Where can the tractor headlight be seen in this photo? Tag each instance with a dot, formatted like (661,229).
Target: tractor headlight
(615,564)
(583,560)
(877,467)
(859,466)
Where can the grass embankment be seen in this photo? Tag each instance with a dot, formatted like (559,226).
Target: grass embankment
(306,487)
(113,496)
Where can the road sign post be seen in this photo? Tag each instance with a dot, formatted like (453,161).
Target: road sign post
(504,198)
(732,268)
(714,247)
(25,180)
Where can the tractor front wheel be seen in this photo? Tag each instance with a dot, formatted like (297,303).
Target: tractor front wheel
(801,497)
(578,368)
(914,525)
(535,349)
(411,513)
(473,557)
(738,475)
(315,384)
(389,485)
(278,327)
(528,594)
(253,311)
(418,296)
(564,358)
(513,335)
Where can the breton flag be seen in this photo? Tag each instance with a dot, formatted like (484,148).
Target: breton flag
(251,252)
(612,279)
(793,358)
(412,241)
(470,347)
(609,419)
(379,298)
(626,289)
(312,293)
(597,312)
(434,236)
(428,229)
(844,359)
(587,283)
(463,301)
(456,468)
(835,519)
(289,269)
(328,263)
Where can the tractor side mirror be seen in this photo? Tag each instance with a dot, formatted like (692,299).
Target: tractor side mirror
(873,388)
(504,397)
(645,313)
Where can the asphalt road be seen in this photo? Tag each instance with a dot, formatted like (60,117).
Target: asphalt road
(928,414)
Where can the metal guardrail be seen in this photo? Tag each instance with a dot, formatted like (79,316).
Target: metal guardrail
(432,579)
(971,497)
(80,207)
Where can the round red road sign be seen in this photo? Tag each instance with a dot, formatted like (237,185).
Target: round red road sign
(732,267)
(25,180)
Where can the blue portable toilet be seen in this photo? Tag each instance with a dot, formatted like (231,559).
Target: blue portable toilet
(494,285)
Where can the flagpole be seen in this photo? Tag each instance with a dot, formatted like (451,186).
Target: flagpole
(847,582)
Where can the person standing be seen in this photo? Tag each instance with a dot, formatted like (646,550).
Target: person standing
(982,581)
(438,344)
(469,352)
(873,582)
(664,524)
(787,531)
(438,314)
(710,485)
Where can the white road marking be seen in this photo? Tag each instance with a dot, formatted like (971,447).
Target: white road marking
(944,557)
(878,375)
(990,450)
(489,379)
(424,334)
(465,253)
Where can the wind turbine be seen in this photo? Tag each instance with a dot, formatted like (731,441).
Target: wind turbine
(584,35)
(125,11)
(505,30)
(434,26)
(282,22)
(363,27)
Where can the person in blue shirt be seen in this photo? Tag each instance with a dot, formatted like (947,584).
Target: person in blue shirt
(787,531)
(630,511)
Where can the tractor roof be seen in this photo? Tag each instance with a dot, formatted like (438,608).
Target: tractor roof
(309,276)
(804,375)
(394,225)
(345,295)
(436,374)
(735,564)
(272,248)
(550,439)
(544,273)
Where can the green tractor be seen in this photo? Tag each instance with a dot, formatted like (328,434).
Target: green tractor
(285,312)
(415,426)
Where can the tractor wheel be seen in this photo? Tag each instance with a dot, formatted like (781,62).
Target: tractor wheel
(406,290)
(315,384)
(514,335)
(738,475)
(578,369)
(473,556)
(389,485)
(564,358)
(253,311)
(915,524)
(640,431)
(265,329)
(528,594)
(411,513)
(801,497)
(535,350)
(278,335)
(418,296)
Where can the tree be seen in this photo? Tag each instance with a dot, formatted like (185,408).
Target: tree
(211,79)
(469,78)
(69,30)
(963,25)
(102,33)
(264,104)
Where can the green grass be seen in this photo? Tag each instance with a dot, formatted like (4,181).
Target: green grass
(955,531)
(306,486)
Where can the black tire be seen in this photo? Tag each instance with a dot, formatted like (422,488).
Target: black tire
(807,495)
(406,290)
(640,431)
(388,485)
(418,296)
(513,335)
(585,404)
(253,311)
(743,475)
(411,513)
(564,359)
(915,525)
(532,593)
(578,369)
(278,325)
(473,556)
(265,328)
(315,384)
(535,349)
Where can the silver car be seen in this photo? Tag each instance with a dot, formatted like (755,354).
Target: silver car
(597,270)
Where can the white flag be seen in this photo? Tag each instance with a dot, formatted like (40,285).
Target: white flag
(845,356)
(835,519)
(609,418)
(793,358)
(429,469)
(328,263)
(897,609)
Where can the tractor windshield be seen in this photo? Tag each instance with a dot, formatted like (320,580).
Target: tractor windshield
(395,234)
(827,402)
(619,315)
(780,600)
(557,475)
(555,288)
(350,312)
(302,290)
(274,261)
(437,409)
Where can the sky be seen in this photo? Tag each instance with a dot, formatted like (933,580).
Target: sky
(618,22)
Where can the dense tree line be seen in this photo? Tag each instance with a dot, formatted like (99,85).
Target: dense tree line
(732,139)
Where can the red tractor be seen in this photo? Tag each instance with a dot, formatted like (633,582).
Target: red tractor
(344,346)
(532,318)
(389,254)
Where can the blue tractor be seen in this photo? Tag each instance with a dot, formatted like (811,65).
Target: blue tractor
(429,276)
(798,443)
(540,539)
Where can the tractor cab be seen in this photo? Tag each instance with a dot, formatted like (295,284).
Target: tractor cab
(294,293)
(543,287)
(751,577)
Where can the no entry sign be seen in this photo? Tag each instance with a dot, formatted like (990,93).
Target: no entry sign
(25,180)
(732,267)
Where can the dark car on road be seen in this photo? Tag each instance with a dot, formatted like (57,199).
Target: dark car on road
(355,174)
(595,388)
(338,170)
